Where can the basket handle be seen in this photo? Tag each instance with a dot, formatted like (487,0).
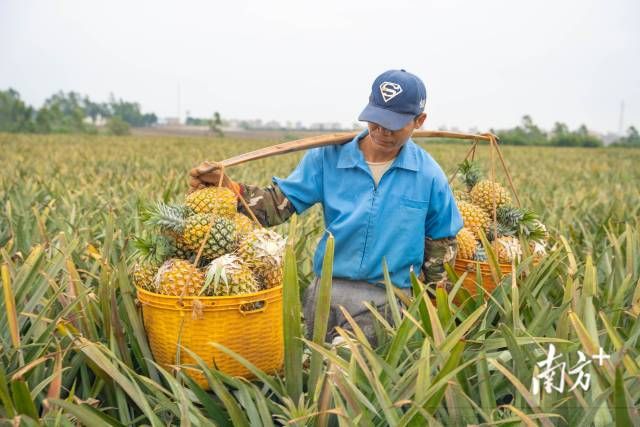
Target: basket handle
(245,311)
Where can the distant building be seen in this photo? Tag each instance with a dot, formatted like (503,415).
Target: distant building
(170,121)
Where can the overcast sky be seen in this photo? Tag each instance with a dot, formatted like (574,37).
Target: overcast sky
(485,63)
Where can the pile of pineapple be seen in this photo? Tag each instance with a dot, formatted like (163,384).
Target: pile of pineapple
(205,247)
(513,227)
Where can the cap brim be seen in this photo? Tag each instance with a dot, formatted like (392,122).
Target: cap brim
(385,118)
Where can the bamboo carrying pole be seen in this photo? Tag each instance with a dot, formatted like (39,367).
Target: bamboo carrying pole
(334,139)
(344,137)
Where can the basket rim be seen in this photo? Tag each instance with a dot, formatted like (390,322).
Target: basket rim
(156,296)
(469,261)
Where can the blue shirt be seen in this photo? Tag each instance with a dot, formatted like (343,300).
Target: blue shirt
(412,201)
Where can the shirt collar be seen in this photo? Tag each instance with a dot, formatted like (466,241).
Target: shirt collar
(351,156)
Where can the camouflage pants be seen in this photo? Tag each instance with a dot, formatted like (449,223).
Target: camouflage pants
(351,295)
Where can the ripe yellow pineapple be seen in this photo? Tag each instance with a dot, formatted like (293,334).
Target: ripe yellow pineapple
(462,195)
(150,252)
(192,228)
(484,193)
(220,240)
(227,275)
(244,225)
(466,243)
(508,249)
(179,277)
(219,201)
(262,251)
(144,274)
(473,216)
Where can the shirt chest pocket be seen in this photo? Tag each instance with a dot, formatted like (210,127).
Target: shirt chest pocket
(420,205)
(411,218)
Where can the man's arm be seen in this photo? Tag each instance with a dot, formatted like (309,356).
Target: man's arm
(269,204)
(437,252)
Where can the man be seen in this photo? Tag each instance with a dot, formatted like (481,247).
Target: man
(382,197)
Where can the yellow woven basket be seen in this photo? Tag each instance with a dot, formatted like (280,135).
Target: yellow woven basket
(249,324)
(470,267)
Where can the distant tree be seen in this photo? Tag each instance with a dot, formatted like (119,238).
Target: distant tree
(15,115)
(66,113)
(117,126)
(632,139)
(525,134)
(561,136)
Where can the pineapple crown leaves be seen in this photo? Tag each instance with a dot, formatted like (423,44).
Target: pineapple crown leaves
(167,217)
(217,271)
(155,249)
(266,244)
(502,229)
(470,173)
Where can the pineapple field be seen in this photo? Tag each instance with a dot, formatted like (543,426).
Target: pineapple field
(556,343)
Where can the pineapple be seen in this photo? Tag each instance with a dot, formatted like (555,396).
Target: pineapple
(462,195)
(263,250)
(227,275)
(466,243)
(485,192)
(151,253)
(144,275)
(192,229)
(178,247)
(474,217)
(244,225)
(508,249)
(178,277)
(219,201)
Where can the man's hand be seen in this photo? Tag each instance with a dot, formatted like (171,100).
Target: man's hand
(208,174)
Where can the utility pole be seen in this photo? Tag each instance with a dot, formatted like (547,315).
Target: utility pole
(621,122)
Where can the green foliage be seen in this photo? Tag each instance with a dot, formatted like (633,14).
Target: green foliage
(117,126)
(69,113)
(562,137)
(526,134)
(530,134)
(632,140)
(15,115)
(130,113)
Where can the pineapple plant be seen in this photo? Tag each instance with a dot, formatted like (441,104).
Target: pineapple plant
(219,201)
(263,250)
(179,277)
(228,275)
(466,243)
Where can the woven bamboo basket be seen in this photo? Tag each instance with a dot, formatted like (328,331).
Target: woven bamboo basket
(248,324)
(470,282)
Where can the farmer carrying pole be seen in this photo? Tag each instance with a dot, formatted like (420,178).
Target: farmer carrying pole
(382,197)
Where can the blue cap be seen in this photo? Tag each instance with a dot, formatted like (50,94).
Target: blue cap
(396,97)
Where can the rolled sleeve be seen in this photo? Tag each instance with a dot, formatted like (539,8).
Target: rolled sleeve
(303,187)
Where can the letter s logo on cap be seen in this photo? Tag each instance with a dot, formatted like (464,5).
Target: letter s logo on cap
(390,90)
